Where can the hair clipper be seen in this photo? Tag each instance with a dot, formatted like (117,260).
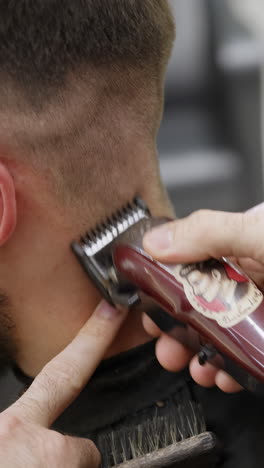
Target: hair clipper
(212,307)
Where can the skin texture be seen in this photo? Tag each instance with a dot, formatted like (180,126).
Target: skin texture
(25,438)
(74,131)
(200,236)
(81,102)
(45,301)
(49,296)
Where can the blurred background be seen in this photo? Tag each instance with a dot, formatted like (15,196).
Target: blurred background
(210,142)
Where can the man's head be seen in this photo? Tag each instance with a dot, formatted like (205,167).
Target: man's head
(79,80)
(81,86)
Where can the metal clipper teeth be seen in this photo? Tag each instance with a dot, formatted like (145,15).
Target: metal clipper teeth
(107,232)
(94,251)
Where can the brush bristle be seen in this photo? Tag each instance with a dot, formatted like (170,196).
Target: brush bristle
(107,232)
(133,441)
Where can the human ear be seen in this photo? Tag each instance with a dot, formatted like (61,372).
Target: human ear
(8,205)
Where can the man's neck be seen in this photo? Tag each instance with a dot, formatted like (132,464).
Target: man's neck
(132,334)
(59,301)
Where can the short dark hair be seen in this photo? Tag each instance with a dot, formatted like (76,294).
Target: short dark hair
(73,75)
(40,40)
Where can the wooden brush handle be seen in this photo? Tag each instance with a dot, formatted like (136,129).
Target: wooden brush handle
(198,451)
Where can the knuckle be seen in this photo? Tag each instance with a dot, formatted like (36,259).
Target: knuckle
(93,454)
(83,451)
(9,424)
(232,223)
(199,217)
(198,223)
(54,448)
(56,442)
(255,228)
(247,228)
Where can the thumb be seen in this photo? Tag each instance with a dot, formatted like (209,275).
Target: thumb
(81,453)
(206,234)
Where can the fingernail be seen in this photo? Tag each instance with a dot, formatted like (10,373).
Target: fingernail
(160,238)
(104,310)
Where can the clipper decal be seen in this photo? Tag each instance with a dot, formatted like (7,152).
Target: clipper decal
(218,291)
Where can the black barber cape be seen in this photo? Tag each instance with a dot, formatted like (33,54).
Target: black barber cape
(132,388)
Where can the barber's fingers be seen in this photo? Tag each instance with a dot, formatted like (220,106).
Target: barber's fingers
(151,328)
(81,453)
(62,379)
(208,376)
(171,354)
(226,383)
(206,234)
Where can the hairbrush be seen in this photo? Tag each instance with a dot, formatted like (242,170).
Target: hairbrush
(171,435)
(212,307)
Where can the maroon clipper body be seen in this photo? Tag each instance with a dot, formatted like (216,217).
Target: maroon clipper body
(235,328)
(212,306)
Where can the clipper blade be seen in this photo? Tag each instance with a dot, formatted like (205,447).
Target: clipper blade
(94,251)
(105,233)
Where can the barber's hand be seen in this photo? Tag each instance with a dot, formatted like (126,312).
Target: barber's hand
(25,438)
(202,235)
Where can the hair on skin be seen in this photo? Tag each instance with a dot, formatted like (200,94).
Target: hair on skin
(81,81)
(8,346)
(81,97)
(41,41)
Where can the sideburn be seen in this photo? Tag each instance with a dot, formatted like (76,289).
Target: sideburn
(8,347)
